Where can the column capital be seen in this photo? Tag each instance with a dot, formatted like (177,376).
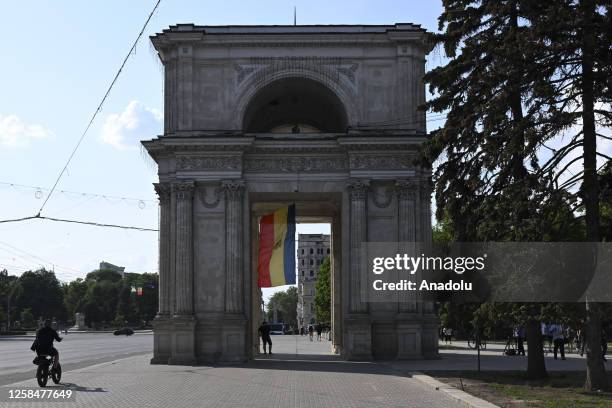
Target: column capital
(183,189)
(405,189)
(163,191)
(234,189)
(358,189)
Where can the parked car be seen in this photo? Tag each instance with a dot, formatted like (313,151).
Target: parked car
(277,328)
(126,330)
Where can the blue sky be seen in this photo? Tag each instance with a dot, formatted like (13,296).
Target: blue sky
(57,61)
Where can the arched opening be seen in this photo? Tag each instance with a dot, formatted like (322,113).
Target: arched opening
(295,105)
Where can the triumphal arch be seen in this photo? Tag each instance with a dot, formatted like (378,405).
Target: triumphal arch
(257,117)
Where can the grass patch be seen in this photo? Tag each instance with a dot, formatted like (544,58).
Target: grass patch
(513,389)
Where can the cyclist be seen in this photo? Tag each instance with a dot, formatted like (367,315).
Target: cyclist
(44,342)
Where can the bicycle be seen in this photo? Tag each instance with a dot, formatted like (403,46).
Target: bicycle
(472,343)
(47,368)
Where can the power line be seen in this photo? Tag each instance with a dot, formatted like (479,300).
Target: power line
(39,190)
(95,224)
(36,259)
(100,105)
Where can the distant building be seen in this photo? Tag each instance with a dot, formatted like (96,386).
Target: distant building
(312,249)
(109,266)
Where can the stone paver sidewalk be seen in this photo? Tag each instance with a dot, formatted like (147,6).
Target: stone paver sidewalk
(133,382)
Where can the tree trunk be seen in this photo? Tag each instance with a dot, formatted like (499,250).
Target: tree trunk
(536,368)
(596,378)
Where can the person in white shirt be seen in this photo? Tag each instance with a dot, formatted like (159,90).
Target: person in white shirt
(558,337)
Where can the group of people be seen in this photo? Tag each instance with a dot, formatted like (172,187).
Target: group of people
(264,334)
(310,330)
(559,334)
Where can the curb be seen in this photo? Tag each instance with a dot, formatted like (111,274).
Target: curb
(452,392)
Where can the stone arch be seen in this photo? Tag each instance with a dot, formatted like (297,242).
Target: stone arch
(254,85)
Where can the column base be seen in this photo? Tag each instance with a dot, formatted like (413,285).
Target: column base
(162,338)
(183,340)
(358,339)
(233,341)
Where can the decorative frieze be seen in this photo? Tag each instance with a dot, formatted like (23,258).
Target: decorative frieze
(371,162)
(295,164)
(197,163)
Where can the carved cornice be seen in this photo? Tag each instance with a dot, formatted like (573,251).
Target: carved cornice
(358,189)
(163,191)
(190,163)
(234,189)
(295,164)
(183,190)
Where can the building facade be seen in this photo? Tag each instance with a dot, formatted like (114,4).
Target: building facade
(311,251)
(257,117)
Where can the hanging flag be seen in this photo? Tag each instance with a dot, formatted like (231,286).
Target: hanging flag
(133,290)
(138,291)
(276,265)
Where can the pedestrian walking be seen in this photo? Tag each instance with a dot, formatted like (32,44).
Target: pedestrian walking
(448,335)
(264,333)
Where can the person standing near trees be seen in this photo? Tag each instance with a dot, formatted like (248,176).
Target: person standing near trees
(558,340)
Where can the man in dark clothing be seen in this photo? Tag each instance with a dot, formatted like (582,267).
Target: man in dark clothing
(44,342)
(264,333)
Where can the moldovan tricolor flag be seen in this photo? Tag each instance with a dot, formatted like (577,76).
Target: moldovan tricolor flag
(276,266)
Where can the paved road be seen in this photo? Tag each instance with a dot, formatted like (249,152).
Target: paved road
(267,383)
(77,350)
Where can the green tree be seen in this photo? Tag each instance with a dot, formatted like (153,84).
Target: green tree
(2,316)
(100,302)
(74,294)
(521,74)
(322,298)
(285,303)
(27,318)
(126,308)
(41,292)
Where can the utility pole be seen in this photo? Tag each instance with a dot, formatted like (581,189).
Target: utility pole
(294,15)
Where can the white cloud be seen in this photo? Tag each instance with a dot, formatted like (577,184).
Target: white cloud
(137,122)
(15,133)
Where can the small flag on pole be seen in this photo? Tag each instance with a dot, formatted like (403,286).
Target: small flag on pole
(276,264)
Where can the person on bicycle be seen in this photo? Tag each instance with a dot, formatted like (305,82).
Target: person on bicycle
(44,342)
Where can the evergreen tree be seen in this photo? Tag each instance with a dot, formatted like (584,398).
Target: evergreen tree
(521,74)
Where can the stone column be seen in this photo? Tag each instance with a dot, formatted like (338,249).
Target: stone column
(162,325)
(406,191)
(234,194)
(184,247)
(358,233)
(164,191)
(358,327)
(183,322)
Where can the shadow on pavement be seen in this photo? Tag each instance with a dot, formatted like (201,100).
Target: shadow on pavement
(75,387)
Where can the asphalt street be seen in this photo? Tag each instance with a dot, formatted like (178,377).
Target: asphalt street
(77,350)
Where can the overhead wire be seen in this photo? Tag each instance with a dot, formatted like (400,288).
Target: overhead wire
(93,117)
